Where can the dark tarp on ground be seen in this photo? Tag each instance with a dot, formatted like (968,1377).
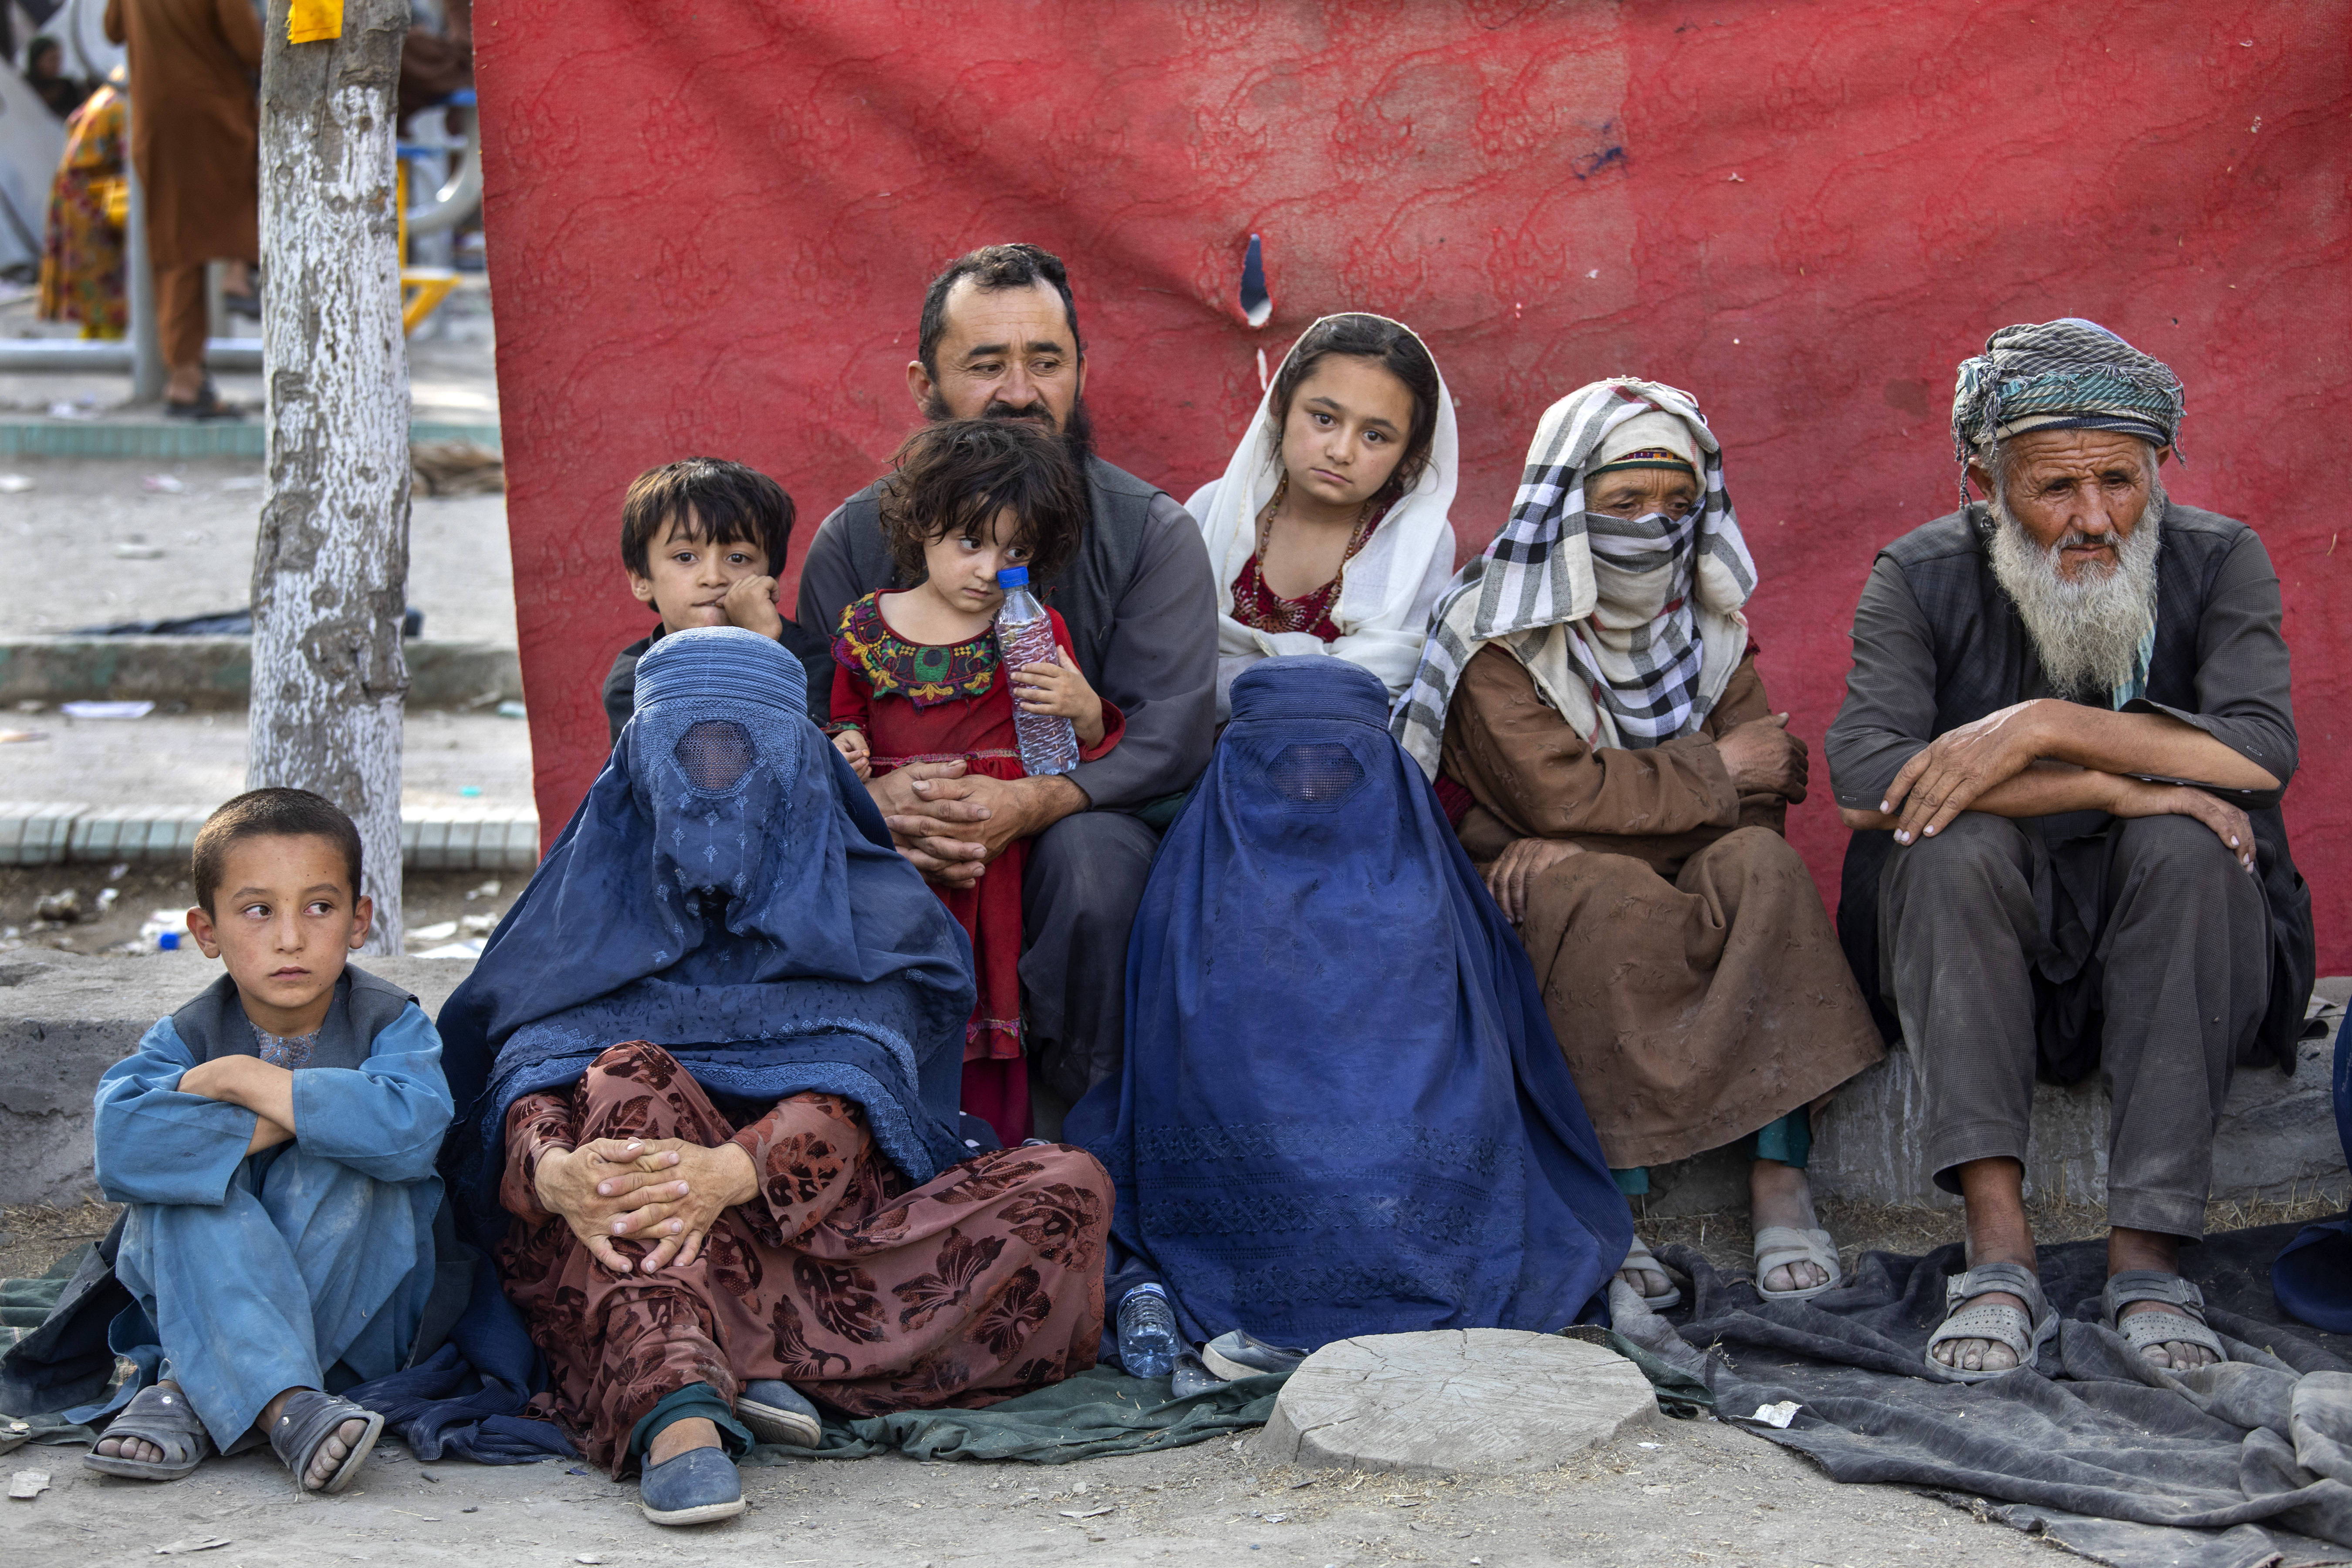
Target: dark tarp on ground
(2233,1466)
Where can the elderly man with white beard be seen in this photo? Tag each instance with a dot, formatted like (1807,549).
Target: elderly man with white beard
(2063,746)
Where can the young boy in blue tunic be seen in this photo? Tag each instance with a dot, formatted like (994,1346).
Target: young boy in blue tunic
(275,1140)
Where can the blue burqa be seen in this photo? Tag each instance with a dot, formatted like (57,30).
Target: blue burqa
(2313,1277)
(1342,1109)
(728,891)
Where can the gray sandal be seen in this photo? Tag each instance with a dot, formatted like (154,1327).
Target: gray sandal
(2183,1324)
(2024,1332)
(162,1416)
(1640,1257)
(308,1420)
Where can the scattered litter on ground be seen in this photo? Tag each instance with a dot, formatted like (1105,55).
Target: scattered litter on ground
(511,710)
(442,931)
(134,550)
(15,484)
(471,947)
(32,705)
(26,1484)
(168,484)
(106,709)
(9,737)
(589,1557)
(478,925)
(63,908)
(63,410)
(490,889)
(194,1543)
(120,869)
(106,897)
(1778,1414)
(469,792)
(1087,1512)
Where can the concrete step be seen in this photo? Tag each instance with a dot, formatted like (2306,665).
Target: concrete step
(214,673)
(431,838)
(2277,1139)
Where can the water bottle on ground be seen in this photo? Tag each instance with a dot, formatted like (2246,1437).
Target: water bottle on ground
(1147,1333)
(1025,636)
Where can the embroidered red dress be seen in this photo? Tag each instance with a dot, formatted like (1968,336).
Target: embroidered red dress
(928,702)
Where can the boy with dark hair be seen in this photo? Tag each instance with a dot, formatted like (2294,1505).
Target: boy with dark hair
(275,1140)
(702,540)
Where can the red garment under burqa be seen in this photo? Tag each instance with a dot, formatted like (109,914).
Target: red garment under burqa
(929,703)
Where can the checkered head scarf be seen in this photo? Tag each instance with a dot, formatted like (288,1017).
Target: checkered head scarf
(1630,629)
(2067,375)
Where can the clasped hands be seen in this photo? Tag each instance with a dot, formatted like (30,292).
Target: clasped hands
(952,822)
(663,1191)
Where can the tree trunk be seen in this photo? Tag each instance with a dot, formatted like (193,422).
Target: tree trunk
(331,567)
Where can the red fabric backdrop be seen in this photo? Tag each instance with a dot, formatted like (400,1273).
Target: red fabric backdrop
(710,228)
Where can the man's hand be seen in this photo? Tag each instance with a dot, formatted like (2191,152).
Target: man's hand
(1943,778)
(1516,867)
(691,1195)
(592,1187)
(950,823)
(1763,758)
(2138,797)
(752,605)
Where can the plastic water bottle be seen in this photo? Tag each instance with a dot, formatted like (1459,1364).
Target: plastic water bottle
(1147,1333)
(1049,744)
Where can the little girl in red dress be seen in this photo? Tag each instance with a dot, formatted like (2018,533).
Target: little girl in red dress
(919,679)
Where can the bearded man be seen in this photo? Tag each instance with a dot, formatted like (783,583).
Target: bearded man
(2064,742)
(999,340)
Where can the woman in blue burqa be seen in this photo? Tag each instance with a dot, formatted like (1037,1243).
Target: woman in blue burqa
(1342,1110)
(712,1058)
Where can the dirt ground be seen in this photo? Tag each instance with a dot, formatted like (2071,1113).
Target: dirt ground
(1705,1494)
(427,898)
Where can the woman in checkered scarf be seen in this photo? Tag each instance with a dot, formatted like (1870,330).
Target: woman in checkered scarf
(1589,707)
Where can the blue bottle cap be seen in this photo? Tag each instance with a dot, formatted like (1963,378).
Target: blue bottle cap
(1013,577)
(168,942)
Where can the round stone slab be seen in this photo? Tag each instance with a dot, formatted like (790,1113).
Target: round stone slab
(1456,1401)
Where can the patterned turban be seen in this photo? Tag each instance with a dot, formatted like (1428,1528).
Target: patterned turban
(2067,375)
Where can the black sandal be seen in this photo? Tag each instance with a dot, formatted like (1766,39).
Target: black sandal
(307,1420)
(162,1416)
(207,404)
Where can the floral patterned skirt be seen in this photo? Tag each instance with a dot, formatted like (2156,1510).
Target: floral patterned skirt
(862,1291)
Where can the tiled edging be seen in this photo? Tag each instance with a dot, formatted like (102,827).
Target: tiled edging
(431,838)
(179,438)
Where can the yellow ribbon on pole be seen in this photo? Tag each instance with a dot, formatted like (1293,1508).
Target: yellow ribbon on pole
(314,21)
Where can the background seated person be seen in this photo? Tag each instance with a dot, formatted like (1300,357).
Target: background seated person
(1328,532)
(712,1058)
(2034,888)
(1622,780)
(998,339)
(1342,1111)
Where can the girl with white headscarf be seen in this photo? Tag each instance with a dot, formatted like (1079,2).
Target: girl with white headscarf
(1328,533)
(1589,707)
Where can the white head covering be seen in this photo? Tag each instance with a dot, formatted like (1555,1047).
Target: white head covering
(1381,612)
(1630,635)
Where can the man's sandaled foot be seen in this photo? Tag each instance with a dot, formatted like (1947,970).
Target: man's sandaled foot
(2162,1316)
(1995,1321)
(321,1439)
(157,1437)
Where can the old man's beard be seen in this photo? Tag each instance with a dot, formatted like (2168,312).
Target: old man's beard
(1077,435)
(2088,630)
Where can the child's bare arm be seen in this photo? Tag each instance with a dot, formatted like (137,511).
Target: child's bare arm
(262,1088)
(1061,689)
(752,605)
